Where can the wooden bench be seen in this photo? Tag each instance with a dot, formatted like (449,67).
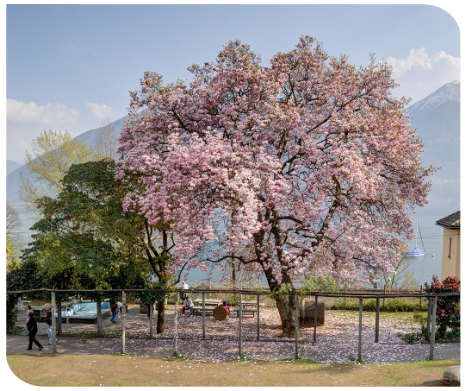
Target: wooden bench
(247,312)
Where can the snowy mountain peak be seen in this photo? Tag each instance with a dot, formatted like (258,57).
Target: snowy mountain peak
(448,92)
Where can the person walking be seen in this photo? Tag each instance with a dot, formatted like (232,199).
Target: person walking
(28,311)
(32,331)
(48,320)
(114,310)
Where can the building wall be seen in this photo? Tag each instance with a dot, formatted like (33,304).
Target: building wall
(451,254)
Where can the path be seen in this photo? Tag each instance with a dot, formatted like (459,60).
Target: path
(336,341)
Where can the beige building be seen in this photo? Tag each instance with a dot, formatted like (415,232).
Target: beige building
(450,246)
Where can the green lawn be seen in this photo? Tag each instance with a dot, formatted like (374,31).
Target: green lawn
(109,371)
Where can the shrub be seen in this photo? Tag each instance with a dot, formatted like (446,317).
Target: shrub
(448,311)
(410,338)
(7,314)
(320,284)
(396,304)
(22,276)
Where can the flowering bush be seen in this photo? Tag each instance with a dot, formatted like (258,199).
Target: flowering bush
(448,311)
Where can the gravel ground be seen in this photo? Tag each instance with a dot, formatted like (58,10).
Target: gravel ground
(337,340)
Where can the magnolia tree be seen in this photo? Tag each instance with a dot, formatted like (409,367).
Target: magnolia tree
(305,167)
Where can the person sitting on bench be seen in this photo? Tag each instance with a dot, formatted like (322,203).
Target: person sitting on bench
(225,306)
(188,305)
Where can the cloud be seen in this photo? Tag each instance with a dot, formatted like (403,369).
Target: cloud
(100,111)
(419,75)
(31,113)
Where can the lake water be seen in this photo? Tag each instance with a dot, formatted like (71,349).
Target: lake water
(423,268)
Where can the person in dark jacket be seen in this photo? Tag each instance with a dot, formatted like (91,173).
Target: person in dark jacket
(32,329)
(114,309)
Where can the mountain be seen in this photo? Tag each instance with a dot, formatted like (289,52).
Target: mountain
(11,166)
(90,138)
(437,120)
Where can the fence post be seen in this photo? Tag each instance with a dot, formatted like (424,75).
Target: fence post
(421,290)
(59,318)
(99,317)
(296,326)
(240,325)
(123,322)
(433,329)
(175,344)
(377,320)
(54,325)
(428,321)
(315,316)
(151,319)
(203,315)
(258,317)
(384,307)
(360,331)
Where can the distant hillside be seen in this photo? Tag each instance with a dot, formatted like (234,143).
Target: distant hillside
(437,120)
(11,166)
(90,138)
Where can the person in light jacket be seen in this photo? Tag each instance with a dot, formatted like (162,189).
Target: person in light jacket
(188,305)
(32,329)
(48,320)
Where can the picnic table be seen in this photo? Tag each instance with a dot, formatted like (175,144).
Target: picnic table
(208,302)
(39,312)
(210,305)
(248,308)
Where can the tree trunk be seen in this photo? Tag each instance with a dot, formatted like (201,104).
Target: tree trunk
(286,308)
(233,267)
(59,323)
(286,305)
(161,317)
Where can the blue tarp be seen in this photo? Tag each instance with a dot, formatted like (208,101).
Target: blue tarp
(84,309)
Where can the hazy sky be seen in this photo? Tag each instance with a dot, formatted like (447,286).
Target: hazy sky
(71,66)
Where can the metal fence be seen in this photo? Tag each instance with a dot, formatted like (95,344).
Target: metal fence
(432,299)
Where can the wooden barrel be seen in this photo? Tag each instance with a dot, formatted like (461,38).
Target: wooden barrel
(219,313)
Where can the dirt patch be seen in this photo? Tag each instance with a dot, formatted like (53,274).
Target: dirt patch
(110,371)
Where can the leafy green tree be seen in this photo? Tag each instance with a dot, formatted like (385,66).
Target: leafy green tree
(5,245)
(10,221)
(85,227)
(52,154)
